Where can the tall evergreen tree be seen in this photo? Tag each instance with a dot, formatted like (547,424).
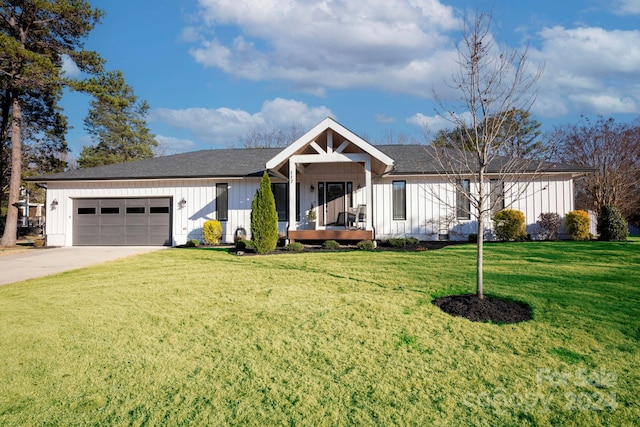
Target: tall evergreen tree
(116,123)
(264,218)
(35,36)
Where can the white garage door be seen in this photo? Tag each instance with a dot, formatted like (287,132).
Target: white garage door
(122,222)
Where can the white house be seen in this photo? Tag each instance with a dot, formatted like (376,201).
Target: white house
(359,191)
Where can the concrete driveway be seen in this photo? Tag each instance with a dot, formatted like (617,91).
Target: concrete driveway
(43,262)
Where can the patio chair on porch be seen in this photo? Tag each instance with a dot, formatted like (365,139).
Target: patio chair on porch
(357,218)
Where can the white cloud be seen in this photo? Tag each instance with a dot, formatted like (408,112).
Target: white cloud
(225,126)
(320,44)
(624,7)
(69,67)
(432,124)
(170,145)
(384,119)
(588,69)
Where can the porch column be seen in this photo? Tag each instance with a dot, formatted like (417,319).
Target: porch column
(292,195)
(369,192)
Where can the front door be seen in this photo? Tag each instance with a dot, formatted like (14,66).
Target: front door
(335,202)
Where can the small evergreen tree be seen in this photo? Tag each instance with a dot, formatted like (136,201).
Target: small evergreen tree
(212,232)
(264,218)
(576,223)
(509,224)
(611,224)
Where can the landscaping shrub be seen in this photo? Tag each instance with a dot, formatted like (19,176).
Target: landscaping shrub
(295,247)
(473,237)
(398,242)
(330,244)
(243,244)
(212,232)
(193,243)
(264,218)
(548,226)
(401,242)
(611,224)
(509,224)
(576,223)
(365,245)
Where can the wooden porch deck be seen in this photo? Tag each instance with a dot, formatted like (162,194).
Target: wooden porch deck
(339,234)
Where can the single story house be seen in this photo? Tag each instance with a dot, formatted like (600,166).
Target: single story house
(359,191)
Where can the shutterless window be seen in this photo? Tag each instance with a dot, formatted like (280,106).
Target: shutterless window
(86,211)
(222,201)
(281,195)
(463,204)
(109,211)
(399,200)
(496,195)
(135,209)
(159,209)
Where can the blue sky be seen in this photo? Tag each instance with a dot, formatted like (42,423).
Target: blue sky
(213,70)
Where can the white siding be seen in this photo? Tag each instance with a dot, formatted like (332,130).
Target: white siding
(431,206)
(430,203)
(187,221)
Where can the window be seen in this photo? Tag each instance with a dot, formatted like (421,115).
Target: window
(463,204)
(399,200)
(222,201)
(159,209)
(281,194)
(109,211)
(298,218)
(135,210)
(496,195)
(350,193)
(86,211)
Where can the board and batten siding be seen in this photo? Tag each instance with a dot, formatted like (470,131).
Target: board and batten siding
(430,206)
(187,221)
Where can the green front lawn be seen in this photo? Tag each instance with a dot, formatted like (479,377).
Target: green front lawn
(202,337)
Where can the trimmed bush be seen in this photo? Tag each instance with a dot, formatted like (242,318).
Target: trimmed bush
(549,226)
(365,245)
(264,218)
(193,243)
(330,244)
(508,224)
(473,237)
(611,224)
(212,232)
(295,247)
(576,223)
(399,242)
(243,244)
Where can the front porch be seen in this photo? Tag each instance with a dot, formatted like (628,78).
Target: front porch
(332,234)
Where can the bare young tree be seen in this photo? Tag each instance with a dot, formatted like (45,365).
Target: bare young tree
(492,84)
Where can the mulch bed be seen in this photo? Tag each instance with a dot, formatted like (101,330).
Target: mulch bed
(488,309)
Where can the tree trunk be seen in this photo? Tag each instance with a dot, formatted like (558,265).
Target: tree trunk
(9,237)
(480,231)
(479,255)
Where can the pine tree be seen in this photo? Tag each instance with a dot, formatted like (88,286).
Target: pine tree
(116,123)
(35,37)
(264,218)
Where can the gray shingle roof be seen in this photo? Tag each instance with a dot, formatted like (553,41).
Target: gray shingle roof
(239,162)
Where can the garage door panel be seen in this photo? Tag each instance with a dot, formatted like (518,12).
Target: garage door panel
(114,222)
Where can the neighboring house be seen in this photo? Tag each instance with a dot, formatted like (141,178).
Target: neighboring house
(359,191)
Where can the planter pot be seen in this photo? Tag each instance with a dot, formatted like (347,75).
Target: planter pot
(311,226)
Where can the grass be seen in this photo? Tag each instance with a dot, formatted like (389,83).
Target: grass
(201,337)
